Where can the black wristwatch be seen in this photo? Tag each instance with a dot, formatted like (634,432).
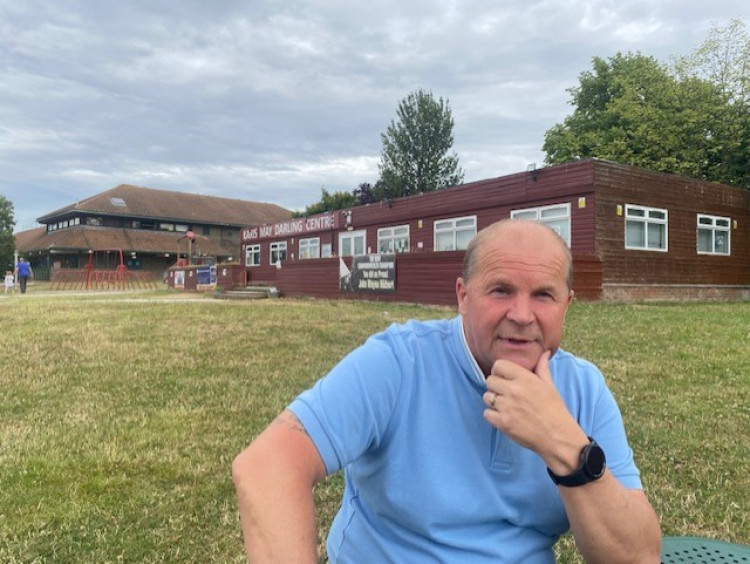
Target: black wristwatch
(591,467)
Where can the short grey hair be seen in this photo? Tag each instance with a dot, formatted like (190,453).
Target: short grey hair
(472,252)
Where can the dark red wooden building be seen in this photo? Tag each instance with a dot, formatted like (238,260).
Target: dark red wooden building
(634,235)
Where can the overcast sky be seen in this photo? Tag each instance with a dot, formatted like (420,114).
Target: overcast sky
(273,100)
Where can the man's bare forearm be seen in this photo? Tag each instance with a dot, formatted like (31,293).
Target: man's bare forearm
(611,523)
(274,478)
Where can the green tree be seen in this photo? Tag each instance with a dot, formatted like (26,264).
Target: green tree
(724,60)
(329,201)
(7,224)
(632,109)
(363,194)
(366,193)
(415,155)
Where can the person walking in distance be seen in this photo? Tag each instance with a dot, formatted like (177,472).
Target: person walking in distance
(23,271)
(10,282)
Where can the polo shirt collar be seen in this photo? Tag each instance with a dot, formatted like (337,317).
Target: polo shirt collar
(476,371)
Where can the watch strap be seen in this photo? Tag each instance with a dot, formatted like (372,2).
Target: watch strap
(584,474)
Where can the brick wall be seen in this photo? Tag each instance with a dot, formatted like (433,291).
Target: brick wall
(673,293)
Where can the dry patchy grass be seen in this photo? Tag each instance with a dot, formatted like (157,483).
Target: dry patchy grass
(120,415)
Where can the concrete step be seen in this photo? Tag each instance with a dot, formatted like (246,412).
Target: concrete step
(248,293)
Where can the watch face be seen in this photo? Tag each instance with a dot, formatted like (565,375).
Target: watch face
(595,461)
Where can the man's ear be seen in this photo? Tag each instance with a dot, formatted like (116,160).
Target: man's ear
(461,295)
(567,304)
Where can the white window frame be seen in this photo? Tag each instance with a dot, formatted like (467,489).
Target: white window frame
(252,250)
(353,236)
(549,216)
(396,239)
(649,218)
(717,225)
(309,248)
(276,249)
(451,226)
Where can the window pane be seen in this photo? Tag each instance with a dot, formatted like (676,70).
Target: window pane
(359,246)
(463,238)
(346,247)
(444,242)
(704,241)
(635,212)
(559,211)
(532,215)
(634,234)
(722,243)
(385,246)
(656,214)
(252,255)
(656,236)
(468,222)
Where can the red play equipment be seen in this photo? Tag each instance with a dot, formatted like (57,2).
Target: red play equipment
(94,277)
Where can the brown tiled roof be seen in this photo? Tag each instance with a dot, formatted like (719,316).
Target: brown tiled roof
(140,240)
(175,206)
(31,239)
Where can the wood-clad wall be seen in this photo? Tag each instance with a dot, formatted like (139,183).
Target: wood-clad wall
(597,192)
(490,200)
(428,278)
(683,198)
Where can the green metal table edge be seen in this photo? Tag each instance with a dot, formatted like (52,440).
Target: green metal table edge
(695,549)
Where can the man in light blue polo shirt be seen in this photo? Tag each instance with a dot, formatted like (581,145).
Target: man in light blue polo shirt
(468,440)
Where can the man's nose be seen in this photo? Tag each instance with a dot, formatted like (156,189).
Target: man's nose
(521,310)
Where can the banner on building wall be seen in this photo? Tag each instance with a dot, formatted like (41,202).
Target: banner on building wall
(206,277)
(369,273)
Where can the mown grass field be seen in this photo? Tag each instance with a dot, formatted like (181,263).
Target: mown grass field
(120,414)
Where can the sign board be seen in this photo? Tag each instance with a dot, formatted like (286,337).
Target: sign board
(206,277)
(293,227)
(369,273)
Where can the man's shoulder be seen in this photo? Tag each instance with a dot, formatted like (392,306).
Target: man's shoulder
(414,336)
(421,329)
(564,360)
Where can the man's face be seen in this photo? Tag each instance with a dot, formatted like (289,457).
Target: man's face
(514,304)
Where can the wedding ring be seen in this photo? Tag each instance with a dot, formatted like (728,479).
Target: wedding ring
(493,399)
